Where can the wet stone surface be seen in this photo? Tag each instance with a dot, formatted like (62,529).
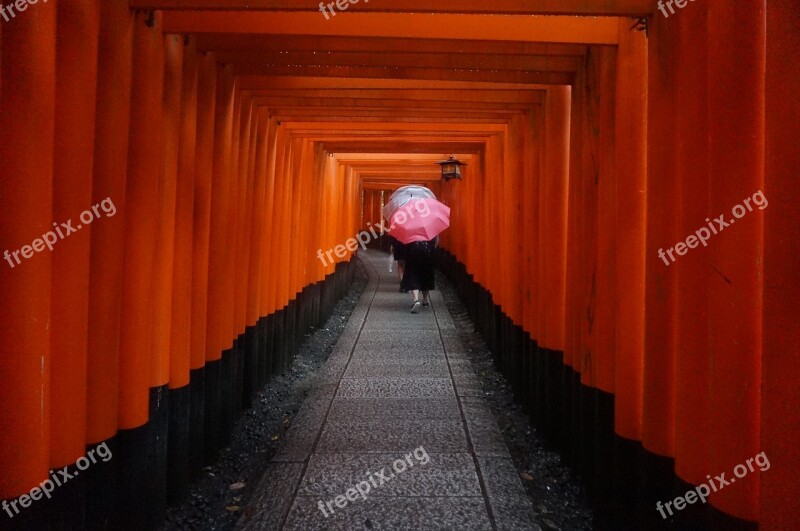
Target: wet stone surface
(552,487)
(214,503)
(387,390)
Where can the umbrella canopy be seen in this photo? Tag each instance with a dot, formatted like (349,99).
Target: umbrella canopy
(403,195)
(420,220)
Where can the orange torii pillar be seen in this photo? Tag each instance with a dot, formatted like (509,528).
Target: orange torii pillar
(304,238)
(629,256)
(204,189)
(592,188)
(533,264)
(139,437)
(232,357)
(251,381)
(736,59)
(183,164)
(581,261)
(661,288)
(532,221)
(275,326)
(77,40)
(163,268)
(265,312)
(692,395)
(780,423)
(553,215)
(28,72)
(631,170)
(513,219)
(291,247)
(572,307)
(111,140)
(238,156)
(241,217)
(219,273)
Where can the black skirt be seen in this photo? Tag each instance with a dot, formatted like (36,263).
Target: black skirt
(399,248)
(419,272)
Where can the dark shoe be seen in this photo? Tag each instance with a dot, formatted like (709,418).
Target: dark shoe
(415,308)
(425,304)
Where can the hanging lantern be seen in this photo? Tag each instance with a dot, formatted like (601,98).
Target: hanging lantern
(451,168)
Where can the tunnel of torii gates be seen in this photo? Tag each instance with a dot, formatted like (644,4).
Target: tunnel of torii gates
(235,139)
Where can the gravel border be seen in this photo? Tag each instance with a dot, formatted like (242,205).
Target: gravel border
(224,489)
(554,489)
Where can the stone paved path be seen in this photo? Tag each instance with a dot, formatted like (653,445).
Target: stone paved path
(397,415)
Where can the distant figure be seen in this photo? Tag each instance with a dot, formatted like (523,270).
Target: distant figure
(419,274)
(398,250)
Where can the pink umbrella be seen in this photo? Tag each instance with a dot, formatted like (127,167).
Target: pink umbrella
(419,220)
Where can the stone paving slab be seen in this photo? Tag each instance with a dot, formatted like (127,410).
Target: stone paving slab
(397,356)
(485,434)
(394,409)
(463,514)
(394,383)
(360,436)
(510,504)
(393,338)
(276,492)
(328,476)
(395,388)
(415,367)
(409,324)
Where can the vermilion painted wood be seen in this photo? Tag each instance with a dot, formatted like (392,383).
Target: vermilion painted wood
(658,422)
(164,266)
(141,223)
(115,56)
(540,29)
(553,218)
(257,236)
(692,370)
(27,71)
(267,249)
(604,286)
(274,278)
(219,275)
(568,7)
(244,213)
(578,269)
(204,198)
(780,423)
(572,306)
(78,29)
(737,62)
(181,333)
(631,217)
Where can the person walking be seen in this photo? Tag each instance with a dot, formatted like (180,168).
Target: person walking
(398,250)
(419,273)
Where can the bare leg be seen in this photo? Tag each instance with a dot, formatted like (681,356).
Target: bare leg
(426,298)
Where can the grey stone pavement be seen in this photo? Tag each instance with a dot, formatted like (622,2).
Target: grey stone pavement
(396,411)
